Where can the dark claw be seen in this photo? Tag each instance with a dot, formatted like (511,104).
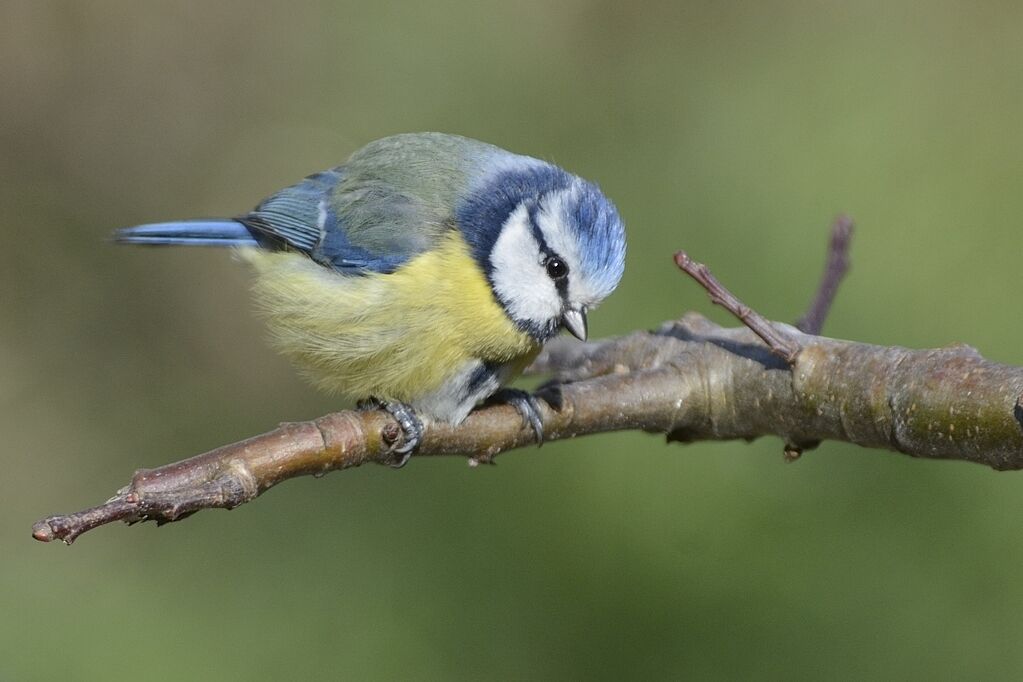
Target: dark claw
(411,426)
(527,405)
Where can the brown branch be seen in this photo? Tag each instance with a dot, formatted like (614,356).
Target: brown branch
(691,380)
(234,474)
(835,268)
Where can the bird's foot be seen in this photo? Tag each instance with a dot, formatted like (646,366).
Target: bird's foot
(527,405)
(408,420)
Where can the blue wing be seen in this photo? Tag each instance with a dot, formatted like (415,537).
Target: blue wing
(292,216)
(299,218)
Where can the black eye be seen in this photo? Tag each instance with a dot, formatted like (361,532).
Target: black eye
(556,268)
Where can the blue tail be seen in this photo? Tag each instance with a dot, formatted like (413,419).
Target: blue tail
(214,232)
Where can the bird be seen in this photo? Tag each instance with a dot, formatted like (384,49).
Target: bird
(423,274)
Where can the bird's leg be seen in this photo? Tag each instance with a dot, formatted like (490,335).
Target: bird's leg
(411,425)
(527,405)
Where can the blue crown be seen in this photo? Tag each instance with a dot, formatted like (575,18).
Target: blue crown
(595,220)
(601,235)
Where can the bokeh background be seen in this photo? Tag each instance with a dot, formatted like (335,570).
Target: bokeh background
(734,130)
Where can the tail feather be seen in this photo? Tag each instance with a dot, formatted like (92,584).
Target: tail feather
(216,232)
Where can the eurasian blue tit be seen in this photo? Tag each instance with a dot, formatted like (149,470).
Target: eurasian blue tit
(424,273)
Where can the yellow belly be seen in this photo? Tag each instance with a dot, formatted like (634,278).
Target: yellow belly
(395,337)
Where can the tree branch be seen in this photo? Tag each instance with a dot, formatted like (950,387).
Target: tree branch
(835,268)
(691,380)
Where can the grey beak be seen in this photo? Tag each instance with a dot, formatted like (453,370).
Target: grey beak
(575,323)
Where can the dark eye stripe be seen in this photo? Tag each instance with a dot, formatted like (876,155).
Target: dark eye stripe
(534,226)
(560,283)
(562,286)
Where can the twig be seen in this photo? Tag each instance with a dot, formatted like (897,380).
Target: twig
(778,342)
(835,268)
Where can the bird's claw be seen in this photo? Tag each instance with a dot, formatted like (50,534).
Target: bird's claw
(411,426)
(527,405)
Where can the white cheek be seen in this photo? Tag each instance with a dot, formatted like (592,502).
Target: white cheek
(519,278)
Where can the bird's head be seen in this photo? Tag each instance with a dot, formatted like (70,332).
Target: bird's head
(551,244)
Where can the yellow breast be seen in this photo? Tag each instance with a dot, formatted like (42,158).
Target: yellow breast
(396,336)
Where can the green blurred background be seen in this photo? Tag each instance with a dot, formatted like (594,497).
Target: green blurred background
(735,132)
